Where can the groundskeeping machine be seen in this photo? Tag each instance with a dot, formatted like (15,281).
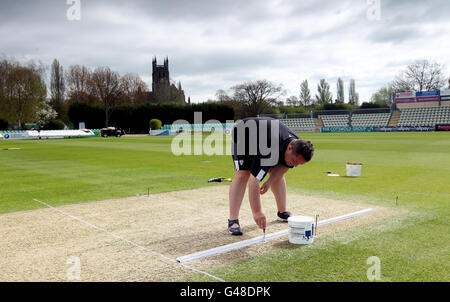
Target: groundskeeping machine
(112,131)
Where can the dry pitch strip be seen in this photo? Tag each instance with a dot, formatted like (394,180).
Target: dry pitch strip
(218,250)
(133,239)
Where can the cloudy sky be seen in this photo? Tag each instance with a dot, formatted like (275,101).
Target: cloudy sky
(215,44)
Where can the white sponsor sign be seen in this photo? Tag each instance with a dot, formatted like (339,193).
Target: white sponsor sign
(44,134)
(16,135)
(445,92)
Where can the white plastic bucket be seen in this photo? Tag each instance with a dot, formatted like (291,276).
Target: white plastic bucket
(301,229)
(354,169)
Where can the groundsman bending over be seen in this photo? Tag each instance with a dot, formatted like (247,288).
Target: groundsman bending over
(260,146)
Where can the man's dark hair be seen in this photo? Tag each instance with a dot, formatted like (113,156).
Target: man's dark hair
(304,148)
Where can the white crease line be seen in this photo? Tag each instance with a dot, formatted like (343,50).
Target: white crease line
(126,240)
(241,244)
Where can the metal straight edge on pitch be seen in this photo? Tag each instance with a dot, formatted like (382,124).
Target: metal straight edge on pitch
(241,244)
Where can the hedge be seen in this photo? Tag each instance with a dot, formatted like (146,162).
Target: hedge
(3,124)
(92,115)
(136,119)
(54,125)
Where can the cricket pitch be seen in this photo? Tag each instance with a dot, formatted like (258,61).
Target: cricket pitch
(40,245)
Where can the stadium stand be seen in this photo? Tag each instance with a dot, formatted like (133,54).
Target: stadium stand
(395,117)
(414,112)
(371,119)
(335,120)
(299,122)
(424,116)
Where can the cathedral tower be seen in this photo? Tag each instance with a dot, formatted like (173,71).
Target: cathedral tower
(160,72)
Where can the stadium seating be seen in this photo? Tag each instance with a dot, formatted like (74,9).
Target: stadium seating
(424,116)
(299,122)
(371,119)
(337,120)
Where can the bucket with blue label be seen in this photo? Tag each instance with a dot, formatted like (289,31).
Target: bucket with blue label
(301,229)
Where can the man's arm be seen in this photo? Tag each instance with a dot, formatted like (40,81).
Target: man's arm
(275,175)
(255,202)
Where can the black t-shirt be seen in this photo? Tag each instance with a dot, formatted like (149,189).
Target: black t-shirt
(264,147)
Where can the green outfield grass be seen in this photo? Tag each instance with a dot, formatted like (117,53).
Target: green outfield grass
(413,166)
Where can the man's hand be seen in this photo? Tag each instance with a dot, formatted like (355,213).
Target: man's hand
(265,187)
(260,219)
(276,173)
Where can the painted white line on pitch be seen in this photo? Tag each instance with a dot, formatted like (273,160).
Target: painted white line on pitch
(126,240)
(241,244)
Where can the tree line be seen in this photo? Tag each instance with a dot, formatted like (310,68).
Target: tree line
(25,97)
(23,94)
(262,96)
(136,118)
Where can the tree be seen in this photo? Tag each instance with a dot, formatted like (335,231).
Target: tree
(291,110)
(305,94)
(24,90)
(222,96)
(57,87)
(340,90)
(155,124)
(292,101)
(383,97)
(134,89)
(257,97)
(367,105)
(45,113)
(324,95)
(353,96)
(105,85)
(77,82)
(4,71)
(224,99)
(420,76)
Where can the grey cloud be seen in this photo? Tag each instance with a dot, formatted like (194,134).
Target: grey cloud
(395,34)
(199,63)
(414,12)
(191,11)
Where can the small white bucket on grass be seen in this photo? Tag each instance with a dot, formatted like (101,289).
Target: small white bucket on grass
(354,169)
(301,229)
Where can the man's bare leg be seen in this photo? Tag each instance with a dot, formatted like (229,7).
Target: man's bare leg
(279,191)
(237,192)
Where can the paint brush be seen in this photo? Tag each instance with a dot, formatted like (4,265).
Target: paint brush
(264,235)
